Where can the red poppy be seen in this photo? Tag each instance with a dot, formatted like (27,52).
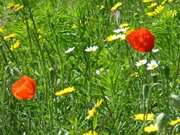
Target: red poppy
(24,88)
(141,39)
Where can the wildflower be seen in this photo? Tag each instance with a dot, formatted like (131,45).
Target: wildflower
(151,128)
(15,46)
(152,5)
(152,65)
(155,50)
(116,6)
(65,92)
(141,62)
(150,14)
(15,7)
(159,9)
(115,37)
(24,88)
(69,50)
(123,25)
(142,117)
(175,122)
(10,36)
(91,113)
(1,29)
(91,133)
(147,1)
(98,103)
(141,40)
(91,49)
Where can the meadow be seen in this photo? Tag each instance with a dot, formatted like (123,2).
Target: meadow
(74,67)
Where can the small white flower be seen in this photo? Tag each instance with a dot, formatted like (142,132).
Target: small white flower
(141,62)
(97,72)
(155,50)
(91,49)
(120,30)
(152,65)
(69,50)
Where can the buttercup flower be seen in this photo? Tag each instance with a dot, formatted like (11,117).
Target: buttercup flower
(152,65)
(141,62)
(65,92)
(15,46)
(175,122)
(151,128)
(24,88)
(10,36)
(91,49)
(142,117)
(141,40)
(91,133)
(70,50)
(116,6)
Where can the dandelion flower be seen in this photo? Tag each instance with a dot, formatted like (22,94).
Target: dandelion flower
(91,133)
(116,6)
(175,122)
(98,103)
(15,46)
(91,113)
(65,92)
(151,128)
(69,50)
(152,65)
(10,36)
(142,117)
(141,62)
(91,49)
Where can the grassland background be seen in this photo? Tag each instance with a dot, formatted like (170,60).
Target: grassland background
(62,24)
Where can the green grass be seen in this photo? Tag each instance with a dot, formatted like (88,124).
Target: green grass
(44,60)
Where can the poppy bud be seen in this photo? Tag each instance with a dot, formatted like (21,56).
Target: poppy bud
(141,40)
(24,88)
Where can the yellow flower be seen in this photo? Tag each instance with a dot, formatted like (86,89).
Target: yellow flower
(116,6)
(152,5)
(65,92)
(98,103)
(147,1)
(159,9)
(91,133)
(13,35)
(1,29)
(150,14)
(115,37)
(151,128)
(15,7)
(91,113)
(19,8)
(15,46)
(142,117)
(174,122)
(123,25)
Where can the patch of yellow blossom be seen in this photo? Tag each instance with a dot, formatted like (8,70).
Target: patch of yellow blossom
(15,7)
(152,5)
(15,46)
(142,117)
(175,122)
(147,1)
(65,92)
(116,6)
(91,132)
(151,128)
(10,36)
(92,112)
(1,29)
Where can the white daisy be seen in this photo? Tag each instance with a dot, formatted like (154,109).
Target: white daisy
(141,62)
(152,65)
(119,30)
(69,50)
(91,49)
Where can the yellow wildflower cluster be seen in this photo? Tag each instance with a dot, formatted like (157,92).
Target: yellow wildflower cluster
(92,112)
(10,36)
(120,33)
(15,7)
(15,45)
(151,128)
(65,92)
(91,133)
(175,122)
(142,117)
(156,8)
(116,6)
